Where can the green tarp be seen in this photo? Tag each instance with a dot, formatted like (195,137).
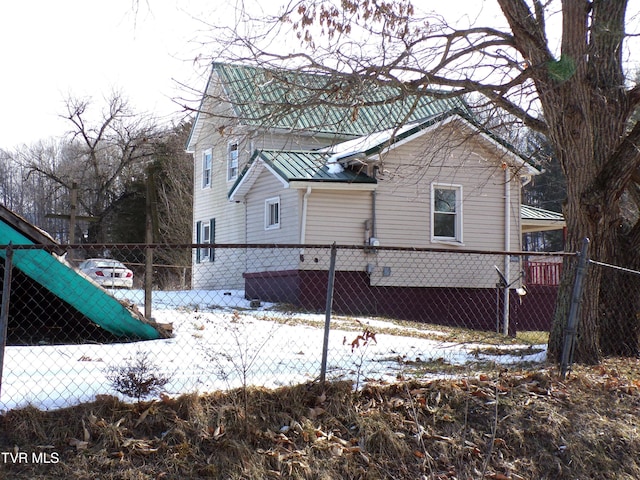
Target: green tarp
(73,288)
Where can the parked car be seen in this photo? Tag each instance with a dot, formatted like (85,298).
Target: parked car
(107,272)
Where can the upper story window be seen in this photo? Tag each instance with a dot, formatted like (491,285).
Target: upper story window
(446,213)
(232,162)
(207,157)
(272,213)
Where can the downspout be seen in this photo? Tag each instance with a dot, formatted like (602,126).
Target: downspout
(507,247)
(373,214)
(303,222)
(374,233)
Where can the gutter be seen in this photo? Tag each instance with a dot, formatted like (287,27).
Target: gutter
(507,247)
(303,221)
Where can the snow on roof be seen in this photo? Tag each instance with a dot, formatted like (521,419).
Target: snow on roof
(367,142)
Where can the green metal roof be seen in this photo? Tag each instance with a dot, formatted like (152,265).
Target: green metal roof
(67,284)
(293,100)
(528,212)
(310,166)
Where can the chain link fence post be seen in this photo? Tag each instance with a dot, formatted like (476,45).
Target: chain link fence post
(574,310)
(4,310)
(329,306)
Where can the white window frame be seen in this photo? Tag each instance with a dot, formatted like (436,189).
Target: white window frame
(207,167)
(205,237)
(457,238)
(233,153)
(205,234)
(269,223)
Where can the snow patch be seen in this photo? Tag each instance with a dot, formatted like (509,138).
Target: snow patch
(334,168)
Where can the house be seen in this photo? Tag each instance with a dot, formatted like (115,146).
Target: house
(348,175)
(51,302)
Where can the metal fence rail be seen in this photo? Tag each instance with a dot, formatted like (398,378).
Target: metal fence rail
(207,317)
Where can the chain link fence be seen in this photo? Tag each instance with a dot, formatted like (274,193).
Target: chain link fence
(82,320)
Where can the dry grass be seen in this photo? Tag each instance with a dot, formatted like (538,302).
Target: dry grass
(497,425)
(407,328)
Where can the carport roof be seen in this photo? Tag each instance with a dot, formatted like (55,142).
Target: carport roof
(535,219)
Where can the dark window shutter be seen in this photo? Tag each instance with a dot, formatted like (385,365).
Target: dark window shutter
(212,237)
(198,239)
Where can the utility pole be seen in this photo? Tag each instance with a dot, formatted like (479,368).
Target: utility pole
(72,213)
(148,257)
(73,216)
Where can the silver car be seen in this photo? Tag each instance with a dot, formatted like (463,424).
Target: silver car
(107,272)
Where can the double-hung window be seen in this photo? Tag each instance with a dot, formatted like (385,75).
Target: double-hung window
(205,234)
(232,162)
(446,213)
(207,157)
(272,213)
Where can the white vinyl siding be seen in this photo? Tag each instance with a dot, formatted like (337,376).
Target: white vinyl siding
(289,200)
(226,271)
(403,205)
(440,269)
(337,216)
(268,187)
(404,212)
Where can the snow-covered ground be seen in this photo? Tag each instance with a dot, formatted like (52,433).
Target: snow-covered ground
(219,342)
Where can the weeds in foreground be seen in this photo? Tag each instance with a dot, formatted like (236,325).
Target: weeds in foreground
(237,359)
(510,425)
(139,378)
(359,347)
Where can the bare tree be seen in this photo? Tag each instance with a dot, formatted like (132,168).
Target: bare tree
(173,186)
(33,196)
(570,87)
(104,157)
(9,170)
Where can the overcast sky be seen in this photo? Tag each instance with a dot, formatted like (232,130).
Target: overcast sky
(53,49)
(50,50)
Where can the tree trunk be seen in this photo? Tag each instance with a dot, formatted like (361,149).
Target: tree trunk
(620,298)
(583,220)
(587,114)
(619,309)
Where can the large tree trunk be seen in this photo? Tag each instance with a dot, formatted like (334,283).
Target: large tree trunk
(588,113)
(620,295)
(575,134)
(618,314)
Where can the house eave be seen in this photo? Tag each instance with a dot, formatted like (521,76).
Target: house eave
(400,136)
(514,160)
(256,167)
(328,185)
(541,226)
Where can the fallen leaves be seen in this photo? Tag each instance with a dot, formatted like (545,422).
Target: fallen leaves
(78,444)
(441,429)
(139,446)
